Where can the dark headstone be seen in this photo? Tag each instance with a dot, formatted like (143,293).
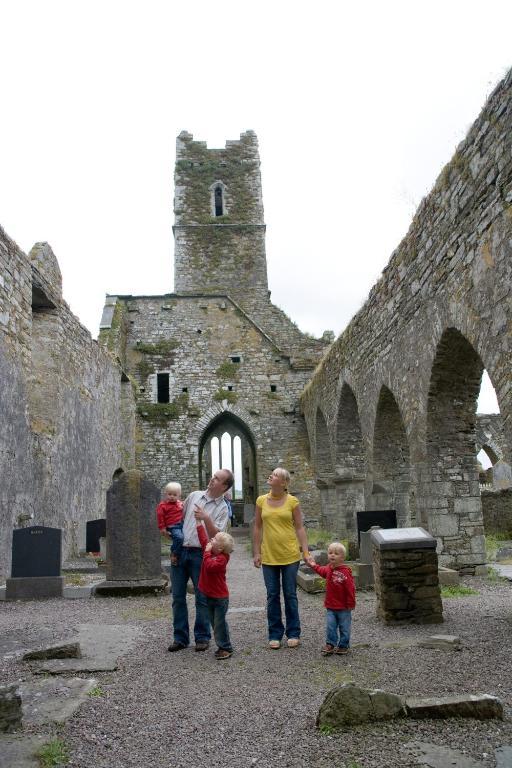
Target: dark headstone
(133,539)
(94,531)
(36,551)
(383,518)
(10,709)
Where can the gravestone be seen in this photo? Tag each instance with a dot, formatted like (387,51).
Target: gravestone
(383,518)
(36,564)
(94,531)
(133,540)
(406,576)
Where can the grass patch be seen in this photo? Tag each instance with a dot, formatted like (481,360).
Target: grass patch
(457,591)
(96,691)
(52,754)
(495,576)
(493,542)
(323,674)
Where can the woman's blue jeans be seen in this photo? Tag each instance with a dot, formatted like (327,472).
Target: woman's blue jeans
(274,576)
(337,626)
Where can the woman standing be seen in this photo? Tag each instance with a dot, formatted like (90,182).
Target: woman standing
(278,531)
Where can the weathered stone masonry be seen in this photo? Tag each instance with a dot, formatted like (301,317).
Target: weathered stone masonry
(391,409)
(233,360)
(67,419)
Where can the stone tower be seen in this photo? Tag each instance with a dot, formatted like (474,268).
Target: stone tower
(219,230)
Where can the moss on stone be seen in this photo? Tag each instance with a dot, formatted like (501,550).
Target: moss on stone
(161,413)
(160,348)
(228,370)
(225,394)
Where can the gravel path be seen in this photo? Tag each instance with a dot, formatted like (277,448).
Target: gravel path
(258,708)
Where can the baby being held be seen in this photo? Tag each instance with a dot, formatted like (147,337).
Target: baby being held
(169,515)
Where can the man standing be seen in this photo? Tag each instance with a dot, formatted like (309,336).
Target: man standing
(210,507)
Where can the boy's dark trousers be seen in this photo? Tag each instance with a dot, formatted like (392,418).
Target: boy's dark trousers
(217,609)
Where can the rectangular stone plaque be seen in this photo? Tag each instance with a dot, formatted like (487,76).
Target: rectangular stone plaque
(36,551)
(404,538)
(384,518)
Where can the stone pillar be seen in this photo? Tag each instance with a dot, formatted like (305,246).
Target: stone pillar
(133,541)
(406,576)
(349,501)
(328,511)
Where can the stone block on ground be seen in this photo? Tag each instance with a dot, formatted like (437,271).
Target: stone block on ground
(310,582)
(58,651)
(435,756)
(347,705)
(442,642)
(53,700)
(480,707)
(34,587)
(10,709)
(448,577)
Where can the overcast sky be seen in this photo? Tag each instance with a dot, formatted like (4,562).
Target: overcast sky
(357,108)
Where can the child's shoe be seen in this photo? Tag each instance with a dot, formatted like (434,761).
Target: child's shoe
(327,650)
(341,651)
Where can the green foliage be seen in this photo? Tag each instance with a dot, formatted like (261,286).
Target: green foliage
(96,691)
(492,543)
(494,576)
(228,370)
(161,413)
(159,348)
(75,579)
(327,730)
(144,369)
(457,591)
(52,754)
(225,394)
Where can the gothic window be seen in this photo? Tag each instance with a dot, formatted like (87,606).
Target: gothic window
(226,453)
(218,199)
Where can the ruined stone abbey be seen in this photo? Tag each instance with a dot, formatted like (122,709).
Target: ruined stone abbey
(215,374)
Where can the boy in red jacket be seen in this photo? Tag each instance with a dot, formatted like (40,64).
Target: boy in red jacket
(169,516)
(340,598)
(212,583)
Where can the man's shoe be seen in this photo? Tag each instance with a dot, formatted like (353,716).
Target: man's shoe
(176,647)
(202,646)
(327,650)
(341,651)
(222,653)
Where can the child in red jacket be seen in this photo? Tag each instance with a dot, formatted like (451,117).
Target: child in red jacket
(169,516)
(212,583)
(340,598)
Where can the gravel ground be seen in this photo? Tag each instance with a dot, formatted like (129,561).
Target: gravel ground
(258,708)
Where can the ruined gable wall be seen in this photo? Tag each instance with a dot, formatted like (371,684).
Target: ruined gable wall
(453,269)
(163,336)
(61,400)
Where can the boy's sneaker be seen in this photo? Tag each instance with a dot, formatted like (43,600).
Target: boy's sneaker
(341,651)
(222,653)
(327,650)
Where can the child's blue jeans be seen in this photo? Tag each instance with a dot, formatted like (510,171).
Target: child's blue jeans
(217,609)
(337,626)
(176,532)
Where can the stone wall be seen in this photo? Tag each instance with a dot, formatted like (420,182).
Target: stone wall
(392,405)
(61,401)
(497,511)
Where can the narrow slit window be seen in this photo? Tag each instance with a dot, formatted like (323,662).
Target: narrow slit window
(219,202)
(273,388)
(162,383)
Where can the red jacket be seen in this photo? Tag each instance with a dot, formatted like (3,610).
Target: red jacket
(169,513)
(340,590)
(212,579)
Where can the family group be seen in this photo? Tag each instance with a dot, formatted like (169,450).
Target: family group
(201,548)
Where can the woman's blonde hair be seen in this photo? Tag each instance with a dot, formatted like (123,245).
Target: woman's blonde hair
(284,474)
(226,541)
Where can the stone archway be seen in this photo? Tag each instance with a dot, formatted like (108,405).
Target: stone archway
(453,511)
(350,464)
(391,462)
(227,443)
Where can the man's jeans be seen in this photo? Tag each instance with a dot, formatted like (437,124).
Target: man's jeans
(337,626)
(273,574)
(189,566)
(217,609)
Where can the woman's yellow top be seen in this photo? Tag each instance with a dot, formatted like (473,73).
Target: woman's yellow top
(279,545)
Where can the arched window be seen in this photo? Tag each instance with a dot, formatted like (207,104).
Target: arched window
(219,201)
(226,444)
